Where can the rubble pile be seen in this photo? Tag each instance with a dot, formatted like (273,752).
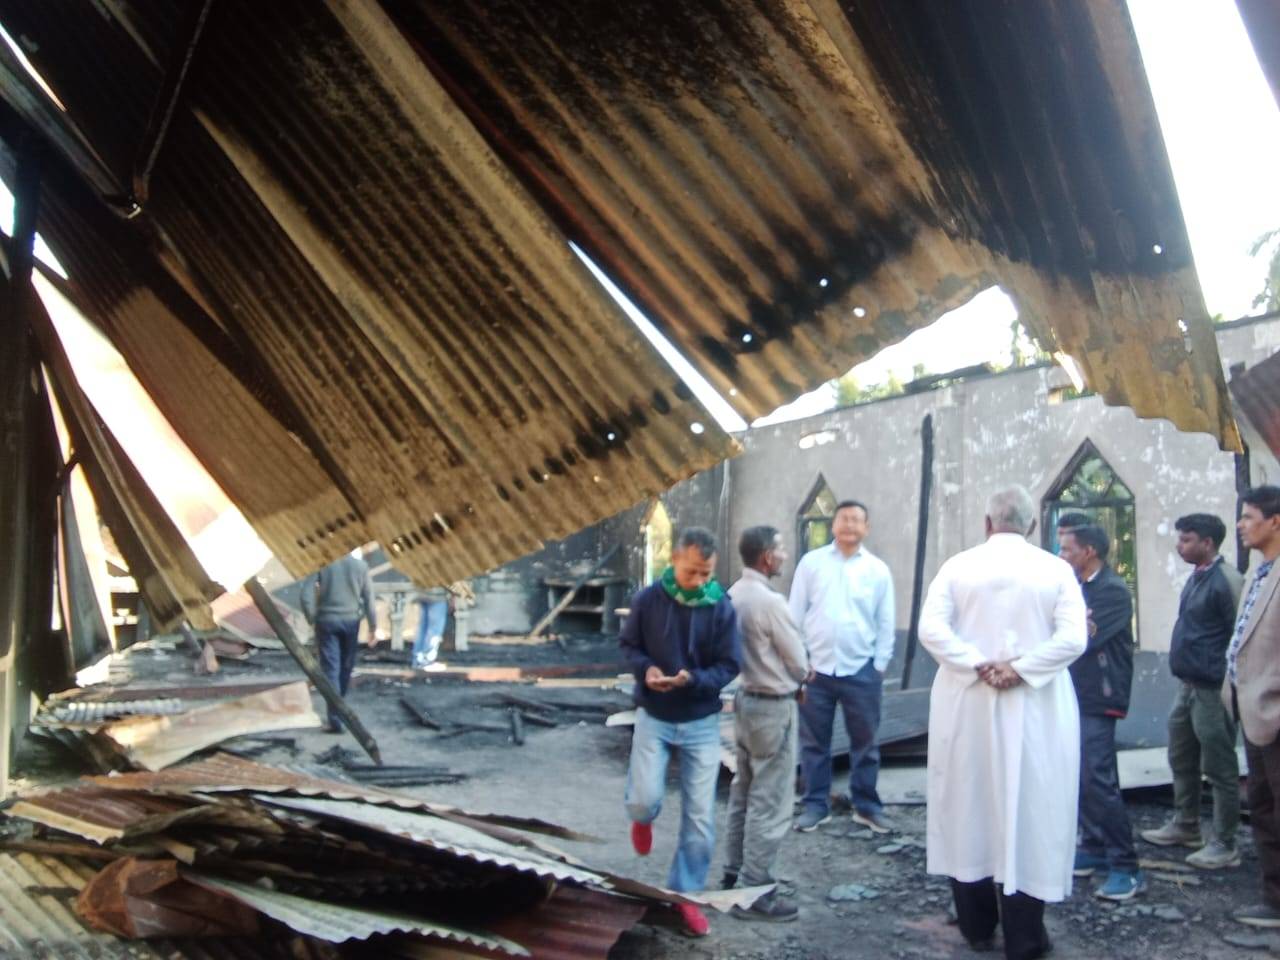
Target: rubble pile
(227,847)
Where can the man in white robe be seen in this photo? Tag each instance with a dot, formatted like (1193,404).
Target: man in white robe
(1004,620)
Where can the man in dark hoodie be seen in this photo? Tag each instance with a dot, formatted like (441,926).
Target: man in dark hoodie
(681,639)
(1202,734)
(1103,677)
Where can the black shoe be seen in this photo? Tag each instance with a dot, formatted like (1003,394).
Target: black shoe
(982,946)
(729,880)
(770,907)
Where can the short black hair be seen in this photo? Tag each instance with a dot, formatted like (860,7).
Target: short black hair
(1203,525)
(1092,535)
(1069,521)
(849,504)
(755,542)
(699,537)
(1266,498)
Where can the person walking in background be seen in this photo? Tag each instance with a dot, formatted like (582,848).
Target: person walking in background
(774,668)
(433,615)
(681,640)
(334,600)
(1252,693)
(1103,677)
(842,598)
(1003,620)
(1202,733)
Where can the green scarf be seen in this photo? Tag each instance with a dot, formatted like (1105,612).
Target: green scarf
(707,595)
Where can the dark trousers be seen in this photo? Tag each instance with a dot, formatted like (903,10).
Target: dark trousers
(337,641)
(1104,822)
(1263,791)
(979,907)
(858,697)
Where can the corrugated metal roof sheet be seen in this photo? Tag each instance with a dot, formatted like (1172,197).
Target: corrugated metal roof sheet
(360,212)
(1257,394)
(434,831)
(36,920)
(224,772)
(337,923)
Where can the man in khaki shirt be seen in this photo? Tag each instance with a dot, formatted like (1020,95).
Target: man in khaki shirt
(774,669)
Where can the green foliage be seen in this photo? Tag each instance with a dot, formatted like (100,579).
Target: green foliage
(849,392)
(1269,297)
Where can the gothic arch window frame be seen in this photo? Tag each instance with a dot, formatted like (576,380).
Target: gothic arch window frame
(805,517)
(1118,511)
(651,563)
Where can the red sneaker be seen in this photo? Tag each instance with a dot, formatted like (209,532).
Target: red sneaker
(695,921)
(642,838)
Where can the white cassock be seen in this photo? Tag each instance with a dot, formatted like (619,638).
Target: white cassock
(1004,765)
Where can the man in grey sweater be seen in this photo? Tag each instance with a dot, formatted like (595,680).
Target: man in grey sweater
(333,601)
(774,667)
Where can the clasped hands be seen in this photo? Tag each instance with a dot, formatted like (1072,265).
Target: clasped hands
(998,674)
(656,680)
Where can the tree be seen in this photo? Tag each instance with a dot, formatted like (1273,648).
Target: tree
(1269,298)
(848,391)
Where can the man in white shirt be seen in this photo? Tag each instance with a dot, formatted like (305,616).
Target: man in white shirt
(1004,621)
(842,599)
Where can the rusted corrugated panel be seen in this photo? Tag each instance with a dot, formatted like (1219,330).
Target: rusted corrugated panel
(224,772)
(574,924)
(360,205)
(458,366)
(102,815)
(1257,395)
(37,920)
(168,575)
(440,834)
(789,187)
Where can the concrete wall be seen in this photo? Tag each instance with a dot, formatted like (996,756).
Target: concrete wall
(988,432)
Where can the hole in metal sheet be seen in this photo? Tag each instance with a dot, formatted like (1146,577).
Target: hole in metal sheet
(747,338)
(1157,249)
(596,478)
(502,493)
(823,282)
(733,391)
(536,475)
(1182,325)
(611,436)
(660,402)
(859,312)
(697,427)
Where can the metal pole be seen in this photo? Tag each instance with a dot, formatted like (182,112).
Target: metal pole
(922,536)
(17,394)
(266,606)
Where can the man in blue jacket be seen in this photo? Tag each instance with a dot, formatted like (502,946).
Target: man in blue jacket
(1103,677)
(681,639)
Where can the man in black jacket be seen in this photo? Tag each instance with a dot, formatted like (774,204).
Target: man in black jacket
(1103,676)
(1202,735)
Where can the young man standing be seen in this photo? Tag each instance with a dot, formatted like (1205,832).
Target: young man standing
(681,639)
(774,668)
(1252,693)
(842,598)
(1103,677)
(1202,734)
(333,601)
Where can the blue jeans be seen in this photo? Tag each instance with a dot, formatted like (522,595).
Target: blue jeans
(859,698)
(432,615)
(337,641)
(1104,823)
(698,742)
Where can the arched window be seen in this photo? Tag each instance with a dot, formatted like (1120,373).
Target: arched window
(814,526)
(1090,486)
(657,541)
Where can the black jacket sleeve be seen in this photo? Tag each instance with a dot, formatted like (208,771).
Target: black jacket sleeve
(1111,608)
(727,645)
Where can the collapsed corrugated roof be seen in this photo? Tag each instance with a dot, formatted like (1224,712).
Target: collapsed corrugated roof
(1257,394)
(355,234)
